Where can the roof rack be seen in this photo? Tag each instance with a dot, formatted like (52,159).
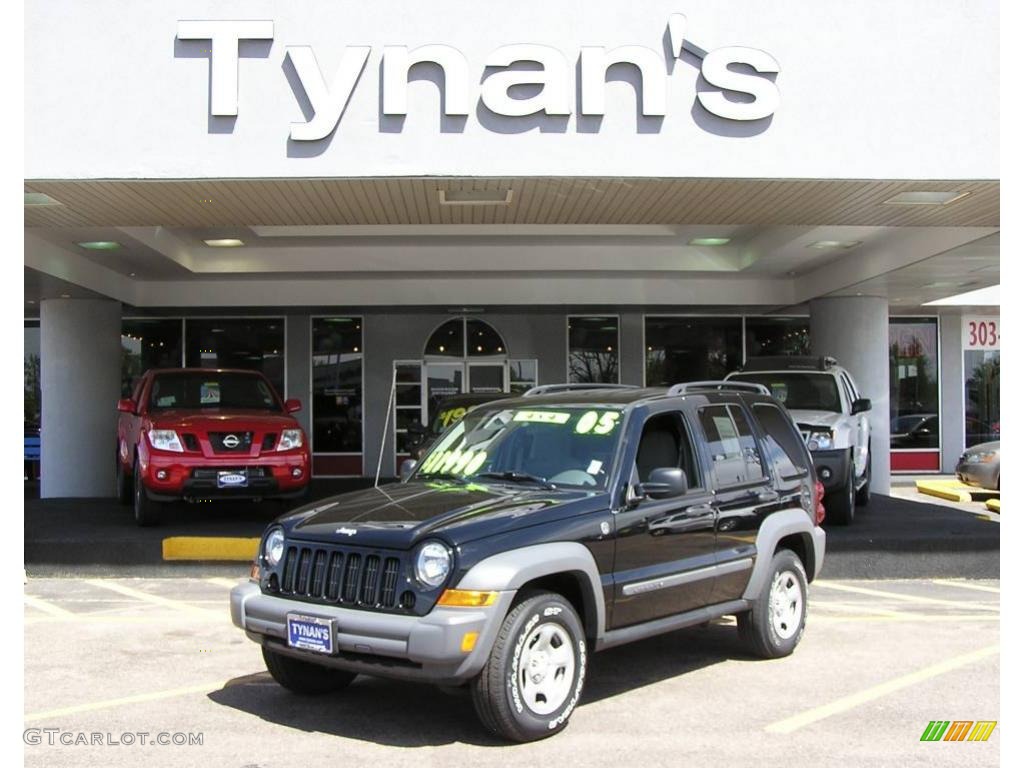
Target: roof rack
(703,386)
(550,389)
(790,363)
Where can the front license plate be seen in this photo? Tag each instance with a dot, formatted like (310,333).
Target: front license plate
(311,633)
(232,480)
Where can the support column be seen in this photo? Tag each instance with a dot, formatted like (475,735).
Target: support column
(80,371)
(951,391)
(855,331)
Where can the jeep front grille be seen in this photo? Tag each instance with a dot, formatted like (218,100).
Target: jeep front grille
(341,576)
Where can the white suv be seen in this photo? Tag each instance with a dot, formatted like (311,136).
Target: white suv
(823,400)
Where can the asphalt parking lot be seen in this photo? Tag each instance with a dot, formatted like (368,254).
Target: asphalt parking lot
(879,660)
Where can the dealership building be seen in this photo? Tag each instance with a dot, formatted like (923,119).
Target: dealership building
(379,205)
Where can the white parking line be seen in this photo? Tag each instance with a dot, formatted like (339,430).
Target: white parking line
(847,703)
(47,607)
(978,606)
(229,583)
(148,597)
(136,699)
(965,585)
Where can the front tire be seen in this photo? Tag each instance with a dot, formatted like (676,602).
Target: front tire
(122,485)
(534,676)
(774,625)
(864,492)
(840,504)
(147,511)
(303,677)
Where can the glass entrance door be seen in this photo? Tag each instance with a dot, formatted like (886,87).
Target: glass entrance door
(488,378)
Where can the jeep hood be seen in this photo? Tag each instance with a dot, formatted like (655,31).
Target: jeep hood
(398,515)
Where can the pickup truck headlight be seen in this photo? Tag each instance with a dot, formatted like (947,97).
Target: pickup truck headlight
(820,441)
(433,564)
(290,438)
(165,440)
(273,547)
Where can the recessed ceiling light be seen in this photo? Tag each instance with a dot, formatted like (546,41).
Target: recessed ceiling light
(923,197)
(940,284)
(100,245)
(38,198)
(65,295)
(828,244)
(30,301)
(710,240)
(224,242)
(131,274)
(474,196)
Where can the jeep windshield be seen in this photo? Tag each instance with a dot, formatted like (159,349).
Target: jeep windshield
(544,447)
(222,391)
(803,391)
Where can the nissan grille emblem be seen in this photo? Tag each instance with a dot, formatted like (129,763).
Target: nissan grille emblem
(346,531)
(231,441)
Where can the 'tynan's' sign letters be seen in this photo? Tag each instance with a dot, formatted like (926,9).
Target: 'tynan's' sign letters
(551,76)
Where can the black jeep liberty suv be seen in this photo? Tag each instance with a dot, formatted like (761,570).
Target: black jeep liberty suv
(537,531)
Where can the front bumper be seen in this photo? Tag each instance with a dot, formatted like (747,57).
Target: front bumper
(425,648)
(818,540)
(979,474)
(185,476)
(833,464)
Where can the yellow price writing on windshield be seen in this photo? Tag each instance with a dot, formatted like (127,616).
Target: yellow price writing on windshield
(594,423)
(542,417)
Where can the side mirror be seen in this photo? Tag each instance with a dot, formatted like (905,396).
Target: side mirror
(861,405)
(127,405)
(665,483)
(406,470)
(292,405)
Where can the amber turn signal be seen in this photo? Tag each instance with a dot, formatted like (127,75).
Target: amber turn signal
(465,598)
(254,572)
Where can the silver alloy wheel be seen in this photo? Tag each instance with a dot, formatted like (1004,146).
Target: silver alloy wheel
(786,604)
(547,666)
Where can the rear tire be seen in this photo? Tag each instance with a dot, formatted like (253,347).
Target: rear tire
(772,628)
(535,673)
(305,678)
(840,504)
(147,511)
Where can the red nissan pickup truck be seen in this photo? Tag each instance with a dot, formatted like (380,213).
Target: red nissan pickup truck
(199,433)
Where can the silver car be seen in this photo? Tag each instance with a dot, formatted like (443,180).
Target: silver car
(979,465)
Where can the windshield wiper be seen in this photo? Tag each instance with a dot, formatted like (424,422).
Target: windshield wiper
(518,477)
(443,476)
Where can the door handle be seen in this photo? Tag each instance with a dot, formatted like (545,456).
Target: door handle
(699,510)
(766,496)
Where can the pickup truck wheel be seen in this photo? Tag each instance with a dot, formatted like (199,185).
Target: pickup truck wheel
(864,492)
(147,511)
(534,676)
(302,677)
(122,485)
(774,625)
(840,504)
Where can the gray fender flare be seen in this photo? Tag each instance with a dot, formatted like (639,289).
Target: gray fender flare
(776,527)
(509,571)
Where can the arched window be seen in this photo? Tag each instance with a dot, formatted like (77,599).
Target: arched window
(465,338)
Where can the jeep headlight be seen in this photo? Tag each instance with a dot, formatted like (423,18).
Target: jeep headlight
(273,547)
(290,438)
(820,441)
(433,564)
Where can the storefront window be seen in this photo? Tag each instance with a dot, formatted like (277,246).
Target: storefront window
(914,383)
(337,385)
(148,344)
(594,350)
(255,344)
(522,375)
(449,340)
(482,340)
(691,348)
(981,396)
(778,336)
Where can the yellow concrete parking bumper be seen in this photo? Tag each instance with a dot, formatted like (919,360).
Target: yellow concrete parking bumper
(954,490)
(993,504)
(210,548)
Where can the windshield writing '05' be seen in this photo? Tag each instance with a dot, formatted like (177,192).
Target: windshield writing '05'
(564,446)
